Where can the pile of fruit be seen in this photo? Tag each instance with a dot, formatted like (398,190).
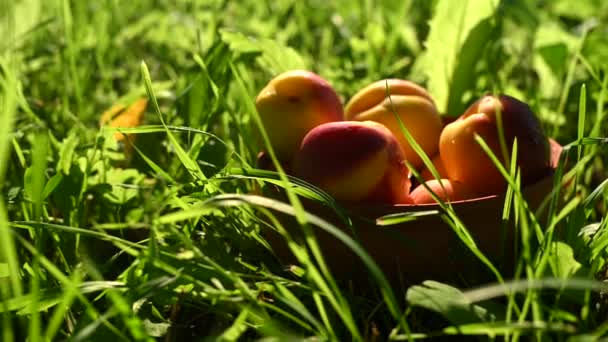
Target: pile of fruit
(357,152)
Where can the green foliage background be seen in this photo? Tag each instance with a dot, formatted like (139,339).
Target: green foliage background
(167,244)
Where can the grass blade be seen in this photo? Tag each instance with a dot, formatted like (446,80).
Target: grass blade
(190,165)
(8,108)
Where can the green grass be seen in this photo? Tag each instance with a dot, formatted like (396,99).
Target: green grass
(169,243)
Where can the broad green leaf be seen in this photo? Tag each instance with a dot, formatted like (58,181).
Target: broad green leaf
(553,46)
(448,301)
(586,337)
(4,270)
(491,291)
(273,56)
(66,152)
(124,184)
(557,41)
(156,329)
(50,297)
(28,12)
(563,264)
(596,47)
(582,10)
(459,32)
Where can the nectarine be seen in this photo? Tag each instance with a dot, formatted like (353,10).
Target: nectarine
(466,162)
(292,104)
(354,161)
(411,103)
(451,191)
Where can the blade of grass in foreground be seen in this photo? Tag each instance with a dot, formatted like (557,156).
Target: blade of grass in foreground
(301,187)
(134,325)
(492,329)
(582,111)
(488,292)
(231,200)
(327,329)
(333,293)
(188,163)
(451,218)
(35,185)
(570,78)
(257,313)
(600,112)
(572,205)
(509,288)
(66,282)
(8,255)
(58,316)
(258,201)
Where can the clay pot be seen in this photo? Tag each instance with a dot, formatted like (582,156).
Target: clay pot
(426,248)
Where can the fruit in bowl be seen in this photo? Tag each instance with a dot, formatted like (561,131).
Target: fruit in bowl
(412,251)
(411,103)
(293,103)
(354,161)
(361,164)
(445,189)
(466,162)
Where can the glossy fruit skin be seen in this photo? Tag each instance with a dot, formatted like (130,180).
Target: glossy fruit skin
(375,93)
(355,162)
(292,104)
(412,104)
(451,191)
(466,162)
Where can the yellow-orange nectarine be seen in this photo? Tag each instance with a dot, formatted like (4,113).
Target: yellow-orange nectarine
(412,104)
(292,104)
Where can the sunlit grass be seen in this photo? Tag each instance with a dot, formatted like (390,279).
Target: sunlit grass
(168,241)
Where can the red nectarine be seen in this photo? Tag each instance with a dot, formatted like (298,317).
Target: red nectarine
(466,162)
(451,191)
(354,161)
